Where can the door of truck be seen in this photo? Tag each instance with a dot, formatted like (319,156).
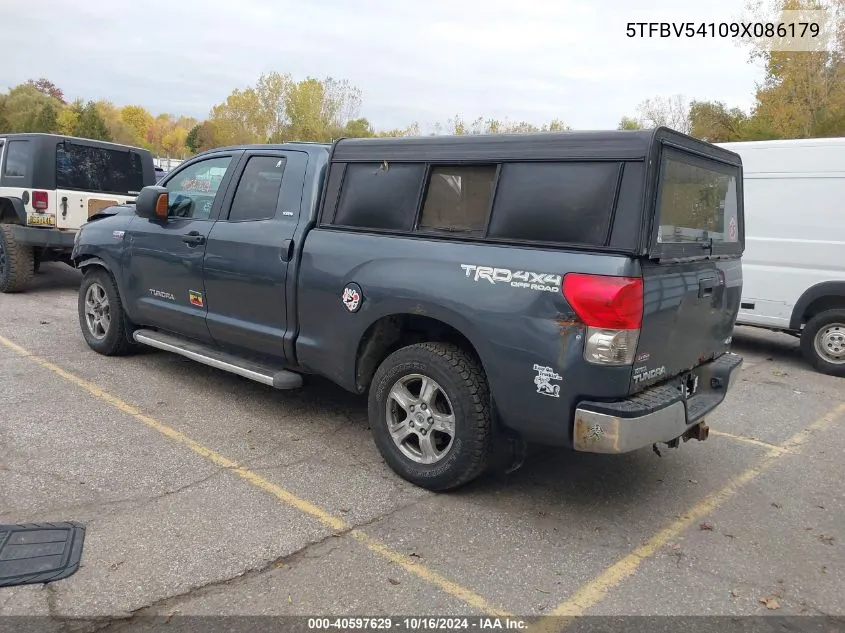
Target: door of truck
(248,251)
(165,258)
(692,277)
(2,153)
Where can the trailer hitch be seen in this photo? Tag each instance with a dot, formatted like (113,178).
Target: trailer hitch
(698,432)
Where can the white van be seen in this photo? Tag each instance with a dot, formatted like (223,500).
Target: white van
(794,262)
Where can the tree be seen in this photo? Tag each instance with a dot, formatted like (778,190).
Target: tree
(803,93)
(138,120)
(209,136)
(712,121)
(22,110)
(628,123)
(411,130)
(192,139)
(319,110)
(91,124)
(672,112)
(280,109)
(47,119)
(358,128)
(118,131)
(556,125)
(47,87)
(68,118)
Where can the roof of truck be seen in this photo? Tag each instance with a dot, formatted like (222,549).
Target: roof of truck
(587,145)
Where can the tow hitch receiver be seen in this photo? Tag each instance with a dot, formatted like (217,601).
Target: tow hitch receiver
(698,432)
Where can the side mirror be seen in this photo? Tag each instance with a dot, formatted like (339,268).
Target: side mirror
(152,203)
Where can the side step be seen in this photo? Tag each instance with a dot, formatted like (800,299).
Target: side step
(275,377)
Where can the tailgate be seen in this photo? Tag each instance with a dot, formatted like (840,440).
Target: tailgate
(692,277)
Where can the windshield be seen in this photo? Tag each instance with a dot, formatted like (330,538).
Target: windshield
(698,200)
(87,168)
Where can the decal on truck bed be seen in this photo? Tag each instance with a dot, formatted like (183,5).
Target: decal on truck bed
(543,380)
(351,297)
(546,282)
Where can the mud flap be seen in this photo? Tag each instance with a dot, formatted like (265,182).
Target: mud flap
(33,553)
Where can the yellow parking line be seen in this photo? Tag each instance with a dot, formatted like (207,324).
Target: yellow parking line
(750,440)
(303,505)
(595,590)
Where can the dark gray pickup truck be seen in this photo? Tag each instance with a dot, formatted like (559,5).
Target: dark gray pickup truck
(575,289)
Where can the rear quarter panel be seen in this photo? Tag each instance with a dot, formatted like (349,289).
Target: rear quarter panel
(512,328)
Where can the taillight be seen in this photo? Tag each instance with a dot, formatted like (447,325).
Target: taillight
(40,200)
(612,309)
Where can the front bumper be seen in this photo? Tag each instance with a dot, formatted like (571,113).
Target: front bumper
(656,415)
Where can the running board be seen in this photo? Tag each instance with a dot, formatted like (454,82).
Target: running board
(275,377)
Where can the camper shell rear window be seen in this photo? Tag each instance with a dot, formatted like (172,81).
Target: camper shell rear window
(697,201)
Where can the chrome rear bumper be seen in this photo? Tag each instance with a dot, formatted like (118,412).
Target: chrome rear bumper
(657,415)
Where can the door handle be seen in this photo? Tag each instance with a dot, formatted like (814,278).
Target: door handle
(705,286)
(193,238)
(287,251)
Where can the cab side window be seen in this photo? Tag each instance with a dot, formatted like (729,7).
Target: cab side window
(258,189)
(192,190)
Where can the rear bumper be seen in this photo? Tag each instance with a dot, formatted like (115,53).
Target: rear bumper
(656,415)
(53,238)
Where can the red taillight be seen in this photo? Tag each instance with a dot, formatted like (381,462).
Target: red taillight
(40,200)
(605,302)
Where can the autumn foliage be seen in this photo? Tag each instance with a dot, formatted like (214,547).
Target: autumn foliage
(802,94)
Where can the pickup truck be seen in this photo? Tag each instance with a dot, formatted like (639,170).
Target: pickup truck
(573,289)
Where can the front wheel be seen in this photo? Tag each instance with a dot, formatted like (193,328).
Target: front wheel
(429,409)
(101,315)
(823,342)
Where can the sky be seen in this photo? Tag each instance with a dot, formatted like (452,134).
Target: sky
(413,60)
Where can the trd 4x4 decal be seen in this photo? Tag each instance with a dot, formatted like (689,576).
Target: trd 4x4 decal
(546,282)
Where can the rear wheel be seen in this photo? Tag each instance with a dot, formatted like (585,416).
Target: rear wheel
(429,413)
(16,261)
(823,342)
(101,315)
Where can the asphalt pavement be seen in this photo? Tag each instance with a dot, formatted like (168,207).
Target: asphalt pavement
(206,494)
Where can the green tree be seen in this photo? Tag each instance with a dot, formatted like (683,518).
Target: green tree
(137,120)
(629,123)
(802,93)
(192,140)
(358,128)
(209,136)
(712,121)
(22,110)
(68,118)
(91,124)
(556,125)
(47,119)
(118,131)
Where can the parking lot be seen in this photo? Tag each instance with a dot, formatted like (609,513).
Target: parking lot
(205,493)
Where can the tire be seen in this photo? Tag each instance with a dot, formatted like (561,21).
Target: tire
(458,385)
(823,342)
(110,339)
(16,261)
